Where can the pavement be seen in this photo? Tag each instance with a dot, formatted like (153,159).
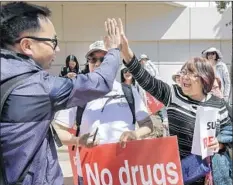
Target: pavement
(64,161)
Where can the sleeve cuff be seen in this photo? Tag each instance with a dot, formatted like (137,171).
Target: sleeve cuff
(131,62)
(113,49)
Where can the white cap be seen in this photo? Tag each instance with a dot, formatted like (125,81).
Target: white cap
(175,75)
(143,56)
(212,50)
(96,46)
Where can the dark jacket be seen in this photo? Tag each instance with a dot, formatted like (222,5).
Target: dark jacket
(27,114)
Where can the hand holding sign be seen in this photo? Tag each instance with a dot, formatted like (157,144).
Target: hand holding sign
(88,140)
(214,145)
(204,138)
(139,163)
(127,136)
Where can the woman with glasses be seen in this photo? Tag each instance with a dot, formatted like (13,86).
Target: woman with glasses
(72,67)
(176,78)
(182,102)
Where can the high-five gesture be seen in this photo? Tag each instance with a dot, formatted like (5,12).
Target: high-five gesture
(125,49)
(116,38)
(113,38)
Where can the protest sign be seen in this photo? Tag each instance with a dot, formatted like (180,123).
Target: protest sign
(142,162)
(73,161)
(153,105)
(205,131)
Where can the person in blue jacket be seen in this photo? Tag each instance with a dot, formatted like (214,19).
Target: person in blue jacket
(29,43)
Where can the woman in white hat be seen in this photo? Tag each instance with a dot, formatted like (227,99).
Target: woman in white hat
(221,71)
(176,78)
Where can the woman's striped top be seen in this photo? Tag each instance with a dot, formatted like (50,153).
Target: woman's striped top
(181,109)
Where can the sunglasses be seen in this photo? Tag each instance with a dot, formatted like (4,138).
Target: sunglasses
(211,53)
(54,41)
(125,71)
(95,59)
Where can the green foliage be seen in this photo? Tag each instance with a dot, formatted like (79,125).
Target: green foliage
(222,5)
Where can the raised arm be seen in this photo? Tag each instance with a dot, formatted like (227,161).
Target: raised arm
(78,91)
(66,93)
(95,84)
(157,88)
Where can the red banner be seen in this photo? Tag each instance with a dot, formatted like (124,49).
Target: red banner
(72,154)
(153,105)
(149,161)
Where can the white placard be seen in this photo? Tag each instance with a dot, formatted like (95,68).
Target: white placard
(204,131)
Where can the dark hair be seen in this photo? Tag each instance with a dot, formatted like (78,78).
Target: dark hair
(123,78)
(18,17)
(72,58)
(203,68)
(86,69)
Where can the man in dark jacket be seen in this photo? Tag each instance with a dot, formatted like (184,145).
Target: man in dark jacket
(29,43)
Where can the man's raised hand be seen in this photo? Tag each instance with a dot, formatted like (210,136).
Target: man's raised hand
(112,38)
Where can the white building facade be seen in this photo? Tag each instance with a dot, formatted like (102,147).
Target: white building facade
(168,32)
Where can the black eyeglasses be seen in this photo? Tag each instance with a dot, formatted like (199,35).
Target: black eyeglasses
(54,41)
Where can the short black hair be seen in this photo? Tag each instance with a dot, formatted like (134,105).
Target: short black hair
(18,17)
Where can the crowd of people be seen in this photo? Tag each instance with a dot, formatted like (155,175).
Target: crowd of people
(103,109)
